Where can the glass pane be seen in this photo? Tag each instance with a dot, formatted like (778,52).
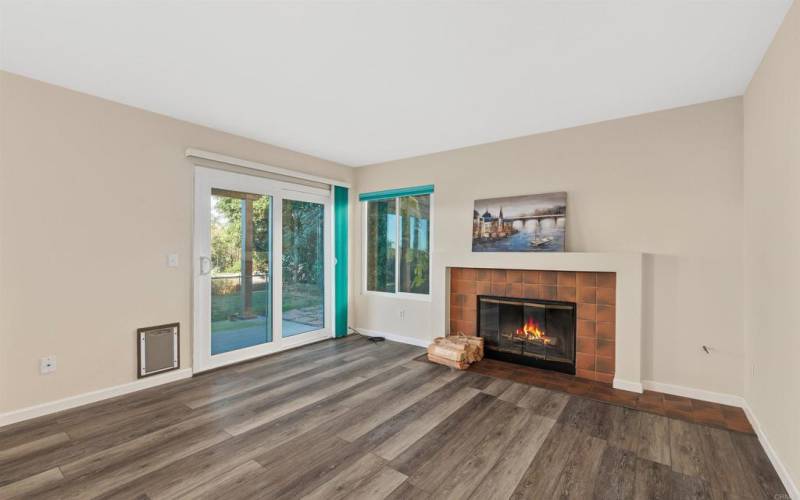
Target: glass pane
(240,270)
(415,215)
(381,245)
(303,267)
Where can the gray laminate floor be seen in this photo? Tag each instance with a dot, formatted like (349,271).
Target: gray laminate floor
(353,419)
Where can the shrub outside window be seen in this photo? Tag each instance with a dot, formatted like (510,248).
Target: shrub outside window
(398,244)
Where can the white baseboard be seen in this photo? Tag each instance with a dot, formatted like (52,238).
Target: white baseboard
(690,392)
(395,338)
(30,412)
(783,473)
(627,385)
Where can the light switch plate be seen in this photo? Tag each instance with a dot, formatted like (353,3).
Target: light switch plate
(172,260)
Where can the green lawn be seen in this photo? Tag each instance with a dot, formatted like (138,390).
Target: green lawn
(295,296)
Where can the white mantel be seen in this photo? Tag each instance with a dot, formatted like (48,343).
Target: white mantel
(627,266)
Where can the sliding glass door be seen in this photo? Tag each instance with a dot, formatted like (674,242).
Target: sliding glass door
(303,266)
(247,302)
(241,256)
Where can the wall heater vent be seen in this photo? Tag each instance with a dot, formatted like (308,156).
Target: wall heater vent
(159,349)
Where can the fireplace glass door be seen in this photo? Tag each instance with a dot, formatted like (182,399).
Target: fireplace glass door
(533,332)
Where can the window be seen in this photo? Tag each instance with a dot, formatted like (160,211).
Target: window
(414,250)
(381,245)
(398,244)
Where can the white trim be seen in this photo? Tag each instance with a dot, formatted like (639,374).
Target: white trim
(690,392)
(395,338)
(780,468)
(627,385)
(92,397)
(422,297)
(231,160)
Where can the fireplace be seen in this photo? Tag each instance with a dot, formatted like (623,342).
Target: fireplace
(534,332)
(594,293)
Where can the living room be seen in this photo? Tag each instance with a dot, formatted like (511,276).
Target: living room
(230,232)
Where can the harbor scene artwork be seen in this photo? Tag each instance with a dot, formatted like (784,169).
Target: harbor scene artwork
(530,223)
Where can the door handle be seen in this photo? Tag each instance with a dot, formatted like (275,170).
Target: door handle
(205,266)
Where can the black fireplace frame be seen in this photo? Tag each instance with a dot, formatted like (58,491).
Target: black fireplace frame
(558,366)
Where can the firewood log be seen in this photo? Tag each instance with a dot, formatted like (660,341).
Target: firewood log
(453,353)
(458,348)
(459,365)
(473,345)
(448,341)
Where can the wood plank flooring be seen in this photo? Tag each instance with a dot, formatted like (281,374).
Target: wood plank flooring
(350,418)
(691,410)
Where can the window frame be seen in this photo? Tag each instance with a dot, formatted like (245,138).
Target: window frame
(424,297)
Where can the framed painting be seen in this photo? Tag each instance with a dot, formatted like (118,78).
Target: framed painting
(530,223)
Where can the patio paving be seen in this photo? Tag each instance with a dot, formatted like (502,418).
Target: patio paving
(231,340)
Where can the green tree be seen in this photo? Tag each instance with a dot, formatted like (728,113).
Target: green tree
(303,242)
(226,234)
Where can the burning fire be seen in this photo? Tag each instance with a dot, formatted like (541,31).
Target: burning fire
(531,331)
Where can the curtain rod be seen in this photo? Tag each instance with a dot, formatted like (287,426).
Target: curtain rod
(209,155)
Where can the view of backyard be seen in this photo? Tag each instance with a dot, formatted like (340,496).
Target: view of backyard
(398,223)
(241,236)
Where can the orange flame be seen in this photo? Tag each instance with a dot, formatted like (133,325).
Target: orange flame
(531,331)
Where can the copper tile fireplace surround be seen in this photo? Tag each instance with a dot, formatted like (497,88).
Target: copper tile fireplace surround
(592,293)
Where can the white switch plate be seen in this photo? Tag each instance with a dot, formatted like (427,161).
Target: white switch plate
(172,260)
(47,364)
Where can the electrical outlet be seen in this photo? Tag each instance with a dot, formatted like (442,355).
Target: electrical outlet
(172,260)
(403,314)
(47,364)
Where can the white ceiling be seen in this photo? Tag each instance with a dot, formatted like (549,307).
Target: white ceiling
(361,82)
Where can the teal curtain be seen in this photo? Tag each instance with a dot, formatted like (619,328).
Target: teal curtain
(394,193)
(340,214)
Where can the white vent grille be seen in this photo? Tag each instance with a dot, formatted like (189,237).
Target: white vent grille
(158,349)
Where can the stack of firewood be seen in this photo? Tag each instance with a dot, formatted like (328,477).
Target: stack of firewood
(456,351)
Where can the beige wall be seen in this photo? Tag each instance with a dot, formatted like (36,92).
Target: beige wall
(772,243)
(667,183)
(94,195)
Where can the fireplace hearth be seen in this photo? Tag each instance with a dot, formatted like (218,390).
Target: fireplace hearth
(533,332)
